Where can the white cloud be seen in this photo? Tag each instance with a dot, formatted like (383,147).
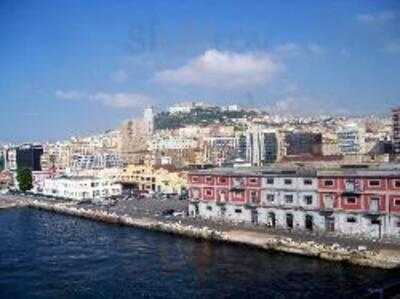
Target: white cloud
(119,76)
(121,100)
(115,100)
(377,18)
(300,104)
(70,95)
(288,49)
(316,49)
(392,47)
(224,69)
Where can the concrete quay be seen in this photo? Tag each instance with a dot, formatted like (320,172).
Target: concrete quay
(6,202)
(385,256)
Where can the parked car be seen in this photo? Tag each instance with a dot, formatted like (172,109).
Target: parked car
(168,212)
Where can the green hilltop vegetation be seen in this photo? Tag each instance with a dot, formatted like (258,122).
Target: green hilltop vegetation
(199,116)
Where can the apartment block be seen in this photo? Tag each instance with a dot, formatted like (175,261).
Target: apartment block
(349,200)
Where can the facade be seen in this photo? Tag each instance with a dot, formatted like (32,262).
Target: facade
(225,194)
(350,139)
(154,179)
(38,178)
(10,158)
(351,201)
(172,143)
(6,179)
(303,143)
(361,201)
(96,161)
(28,156)
(263,146)
(81,187)
(148,118)
(219,150)
(396,131)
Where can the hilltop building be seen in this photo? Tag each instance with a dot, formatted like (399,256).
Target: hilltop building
(396,131)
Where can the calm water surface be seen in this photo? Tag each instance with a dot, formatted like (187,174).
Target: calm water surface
(45,255)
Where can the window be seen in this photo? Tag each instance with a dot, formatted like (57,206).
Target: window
(375,221)
(397,184)
(209,208)
(270,181)
(398,224)
(222,180)
(195,179)
(287,181)
(328,183)
(209,179)
(238,211)
(374,183)
(397,202)
(270,197)
(308,199)
(208,192)
(307,182)
(351,220)
(351,200)
(288,198)
(253,180)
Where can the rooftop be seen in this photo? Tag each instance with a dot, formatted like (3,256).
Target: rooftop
(305,171)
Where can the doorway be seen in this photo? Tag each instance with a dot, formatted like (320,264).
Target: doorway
(289,220)
(271,219)
(254,216)
(330,224)
(309,222)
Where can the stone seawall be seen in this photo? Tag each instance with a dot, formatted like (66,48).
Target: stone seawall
(383,258)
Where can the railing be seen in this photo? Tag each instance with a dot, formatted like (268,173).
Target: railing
(351,188)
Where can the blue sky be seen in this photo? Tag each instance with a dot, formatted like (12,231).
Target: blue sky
(80,67)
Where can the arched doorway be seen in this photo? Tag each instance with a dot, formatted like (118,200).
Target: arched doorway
(309,222)
(271,219)
(289,220)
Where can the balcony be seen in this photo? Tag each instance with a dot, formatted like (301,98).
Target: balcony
(237,189)
(328,207)
(252,204)
(351,189)
(221,202)
(373,209)
(326,211)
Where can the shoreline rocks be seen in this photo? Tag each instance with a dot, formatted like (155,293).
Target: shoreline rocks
(388,259)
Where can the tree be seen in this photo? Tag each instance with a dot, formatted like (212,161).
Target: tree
(24,178)
(1,163)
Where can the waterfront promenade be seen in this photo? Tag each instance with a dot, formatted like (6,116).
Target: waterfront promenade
(148,214)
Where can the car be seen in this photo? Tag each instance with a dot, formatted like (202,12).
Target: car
(168,212)
(178,214)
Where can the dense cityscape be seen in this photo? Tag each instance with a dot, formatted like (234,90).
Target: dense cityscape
(329,174)
(200,149)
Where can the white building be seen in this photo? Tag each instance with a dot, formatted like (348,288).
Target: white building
(172,143)
(96,161)
(10,158)
(181,108)
(81,187)
(264,146)
(351,139)
(148,117)
(290,200)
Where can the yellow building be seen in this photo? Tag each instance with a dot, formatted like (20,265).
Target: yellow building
(163,179)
